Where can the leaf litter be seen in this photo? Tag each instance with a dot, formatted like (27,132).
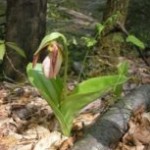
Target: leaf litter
(28,123)
(138,134)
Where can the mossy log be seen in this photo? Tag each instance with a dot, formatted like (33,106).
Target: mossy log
(108,129)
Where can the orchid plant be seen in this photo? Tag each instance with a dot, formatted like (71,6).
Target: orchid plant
(64,103)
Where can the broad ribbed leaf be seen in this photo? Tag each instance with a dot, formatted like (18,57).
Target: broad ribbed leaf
(52,87)
(16,48)
(86,92)
(73,104)
(99,83)
(49,38)
(51,90)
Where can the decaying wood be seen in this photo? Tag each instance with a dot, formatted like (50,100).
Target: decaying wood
(107,131)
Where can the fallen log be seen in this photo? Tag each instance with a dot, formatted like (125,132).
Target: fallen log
(108,129)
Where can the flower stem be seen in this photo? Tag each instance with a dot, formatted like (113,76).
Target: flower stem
(65,71)
(83,65)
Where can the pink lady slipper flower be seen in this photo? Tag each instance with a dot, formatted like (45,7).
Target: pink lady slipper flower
(52,62)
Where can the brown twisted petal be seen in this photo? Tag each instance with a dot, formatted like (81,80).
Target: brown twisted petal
(35,59)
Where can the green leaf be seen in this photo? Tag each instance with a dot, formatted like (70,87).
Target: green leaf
(98,83)
(49,38)
(89,41)
(51,90)
(86,92)
(123,68)
(74,103)
(134,40)
(16,48)
(100,27)
(2,50)
(52,87)
(112,19)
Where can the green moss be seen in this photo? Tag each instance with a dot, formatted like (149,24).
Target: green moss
(106,59)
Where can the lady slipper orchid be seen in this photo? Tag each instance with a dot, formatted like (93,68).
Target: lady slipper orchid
(52,62)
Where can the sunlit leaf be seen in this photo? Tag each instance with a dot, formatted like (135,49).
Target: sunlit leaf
(87,91)
(74,103)
(2,50)
(134,40)
(74,41)
(100,27)
(16,48)
(52,87)
(51,90)
(49,38)
(89,41)
(113,18)
(98,83)
(123,68)
(64,104)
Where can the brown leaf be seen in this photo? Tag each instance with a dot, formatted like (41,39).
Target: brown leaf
(138,135)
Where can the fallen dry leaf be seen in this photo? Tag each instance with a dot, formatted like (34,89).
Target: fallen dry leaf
(138,134)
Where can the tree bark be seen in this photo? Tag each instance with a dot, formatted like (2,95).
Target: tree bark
(114,7)
(26,25)
(111,41)
(107,131)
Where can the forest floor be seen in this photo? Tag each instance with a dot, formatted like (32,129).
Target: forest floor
(27,122)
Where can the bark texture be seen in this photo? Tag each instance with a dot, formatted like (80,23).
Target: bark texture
(111,41)
(26,25)
(107,131)
(114,7)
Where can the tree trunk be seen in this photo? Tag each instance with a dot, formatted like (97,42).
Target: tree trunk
(26,25)
(112,39)
(114,7)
